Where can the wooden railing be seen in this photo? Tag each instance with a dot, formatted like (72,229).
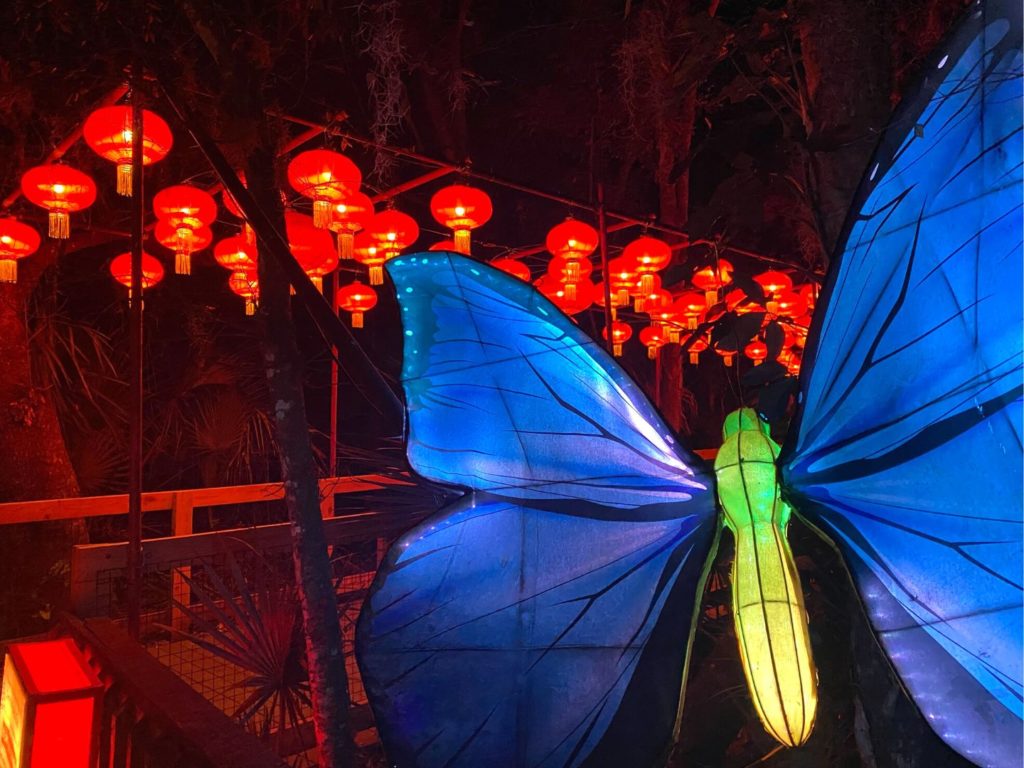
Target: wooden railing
(149,717)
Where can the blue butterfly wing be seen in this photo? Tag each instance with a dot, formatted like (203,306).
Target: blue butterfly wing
(907,452)
(543,620)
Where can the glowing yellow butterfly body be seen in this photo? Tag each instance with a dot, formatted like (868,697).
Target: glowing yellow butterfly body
(768,606)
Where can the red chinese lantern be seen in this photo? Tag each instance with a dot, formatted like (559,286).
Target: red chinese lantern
(442,245)
(621,333)
(186,209)
(810,292)
(727,356)
(651,255)
(49,706)
(657,300)
(574,241)
(757,351)
(108,131)
(367,253)
(669,319)
(310,246)
(623,277)
(17,241)
(790,304)
(582,298)
(391,231)
(514,267)
(152,271)
(461,209)
(698,345)
(691,306)
(641,291)
(737,301)
(184,242)
(235,254)
(61,190)
(569,272)
(326,177)
(599,299)
(654,338)
(357,298)
(774,283)
(348,216)
(246,285)
(713,278)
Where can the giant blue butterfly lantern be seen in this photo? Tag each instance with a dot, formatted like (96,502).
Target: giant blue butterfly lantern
(545,619)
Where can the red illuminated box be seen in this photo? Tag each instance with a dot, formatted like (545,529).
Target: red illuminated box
(49,702)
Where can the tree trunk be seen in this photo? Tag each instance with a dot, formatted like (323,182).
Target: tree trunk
(33,557)
(326,664)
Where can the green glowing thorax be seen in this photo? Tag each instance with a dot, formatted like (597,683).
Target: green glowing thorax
(748,486)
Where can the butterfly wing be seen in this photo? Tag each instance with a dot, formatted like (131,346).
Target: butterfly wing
(543,620)
(907,452)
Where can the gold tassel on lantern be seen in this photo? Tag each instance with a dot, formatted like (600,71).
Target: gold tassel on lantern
(711,297)
(461,239)
(59,225)
(691,323)
(570,291)
(617,350)
(694,357)
(317,281)
(322,214)
(652,352)
(8,271)
(357,319)
(728,360)
(124,179)
(673,334)
(346,245)
(647,283)
(250,306)
(640,301)
(376,275)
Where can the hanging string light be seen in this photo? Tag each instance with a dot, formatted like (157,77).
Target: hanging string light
(654,338)
(186,209)
(357,298)
(461,209)
(514,267)
(621,333)
(391,232)
(247,285)
(17,240)
(325,177)
(152,271)
(574,241)
(350,215)
(651,255)
(60,190)
(712,278)
(108,132)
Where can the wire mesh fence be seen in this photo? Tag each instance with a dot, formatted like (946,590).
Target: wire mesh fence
(211,618)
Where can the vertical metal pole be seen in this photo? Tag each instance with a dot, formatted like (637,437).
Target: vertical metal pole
(333,452)
(135,380)
(602,231)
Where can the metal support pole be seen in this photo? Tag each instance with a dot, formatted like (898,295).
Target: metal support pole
(602,232)
(333,450)
(134,591)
